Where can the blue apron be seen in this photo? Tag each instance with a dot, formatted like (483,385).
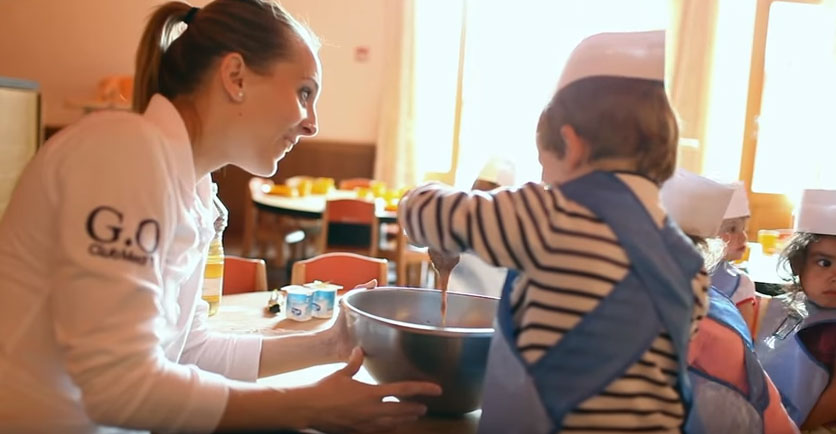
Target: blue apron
(720,407)
(726,278)
(655,296)
(799,377)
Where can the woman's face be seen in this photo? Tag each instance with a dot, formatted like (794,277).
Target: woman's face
(818,277)
(278,109)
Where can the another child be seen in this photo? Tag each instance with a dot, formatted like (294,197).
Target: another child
(594,333)
(472,274)
(732,394)
(726,277)
(797,334)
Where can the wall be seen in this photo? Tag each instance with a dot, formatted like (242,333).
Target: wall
(67,46)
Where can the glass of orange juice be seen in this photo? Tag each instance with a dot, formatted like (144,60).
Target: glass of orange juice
(323,185)
(378,188)
(362,192)
(768,240)
(304,187)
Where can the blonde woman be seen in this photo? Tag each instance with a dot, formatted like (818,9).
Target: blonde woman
(103,243)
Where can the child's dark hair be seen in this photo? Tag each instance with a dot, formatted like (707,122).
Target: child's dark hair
(620,118)
(791,265)
(794,257)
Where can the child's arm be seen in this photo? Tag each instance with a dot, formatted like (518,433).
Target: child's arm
(492,224)
(744,299)
(824,412)
(747,310)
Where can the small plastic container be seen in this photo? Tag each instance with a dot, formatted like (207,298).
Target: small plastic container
(298,302)
(323,299)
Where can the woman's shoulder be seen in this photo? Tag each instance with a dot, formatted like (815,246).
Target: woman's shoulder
(105,126)
(108,136)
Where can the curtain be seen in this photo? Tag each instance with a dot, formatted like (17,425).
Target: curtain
(395,162)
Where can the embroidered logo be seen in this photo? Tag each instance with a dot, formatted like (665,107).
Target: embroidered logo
(112,240)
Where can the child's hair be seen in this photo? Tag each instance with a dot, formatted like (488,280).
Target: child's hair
(729,224)
(173,61)
(713,250)
(791,264)
(794,257)
(619,118)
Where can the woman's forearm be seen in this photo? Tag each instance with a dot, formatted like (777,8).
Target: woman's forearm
(281,354)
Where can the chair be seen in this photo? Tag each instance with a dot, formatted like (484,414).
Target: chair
(352,183)
(345,269)
(349,225)
(263,228)
(244,275)
(408,257)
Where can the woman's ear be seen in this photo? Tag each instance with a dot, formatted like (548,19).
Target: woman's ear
(232,69)
(577,151)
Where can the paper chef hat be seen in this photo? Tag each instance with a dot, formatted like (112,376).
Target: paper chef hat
(499,171)
(697,204)
(624,54)
(739,205)
(817,212)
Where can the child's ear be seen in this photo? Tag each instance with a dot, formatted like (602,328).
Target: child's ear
(576,148)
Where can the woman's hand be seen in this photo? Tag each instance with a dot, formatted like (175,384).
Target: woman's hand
(344,405)
(342,339)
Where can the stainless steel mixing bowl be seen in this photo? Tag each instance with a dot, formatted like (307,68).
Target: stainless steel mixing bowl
(400,332)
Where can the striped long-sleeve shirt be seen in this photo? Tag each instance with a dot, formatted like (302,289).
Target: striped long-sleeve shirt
(569,260)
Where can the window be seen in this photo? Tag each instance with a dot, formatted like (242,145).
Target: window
(514,54)
(484,69)
(796,146)
(788,145)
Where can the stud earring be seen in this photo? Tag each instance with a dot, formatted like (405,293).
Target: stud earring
(240,95)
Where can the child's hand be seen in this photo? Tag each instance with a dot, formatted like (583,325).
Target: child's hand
(443,264)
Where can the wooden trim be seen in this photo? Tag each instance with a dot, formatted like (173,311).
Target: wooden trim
(769,211)
(457,121)
(449,177)
(383,273)
(755,96)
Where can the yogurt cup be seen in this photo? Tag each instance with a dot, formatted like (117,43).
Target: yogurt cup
(297,302)
(323,299)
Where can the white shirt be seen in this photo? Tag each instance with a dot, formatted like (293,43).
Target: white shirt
(102,250)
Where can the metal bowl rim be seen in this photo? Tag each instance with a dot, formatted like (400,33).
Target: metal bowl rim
(420,328)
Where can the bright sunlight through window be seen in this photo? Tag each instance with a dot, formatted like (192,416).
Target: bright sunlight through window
(796,146)
(514,53)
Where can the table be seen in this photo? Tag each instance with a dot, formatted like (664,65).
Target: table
(312,206)
(244,313)
(763,268)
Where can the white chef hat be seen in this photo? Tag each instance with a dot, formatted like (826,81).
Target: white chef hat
(817,212)
(622,54)
(696,203)
(739,205)
(499,171)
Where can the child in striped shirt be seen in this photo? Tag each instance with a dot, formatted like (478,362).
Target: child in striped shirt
(592,334)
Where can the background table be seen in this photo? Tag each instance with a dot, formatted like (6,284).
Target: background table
(312,206)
